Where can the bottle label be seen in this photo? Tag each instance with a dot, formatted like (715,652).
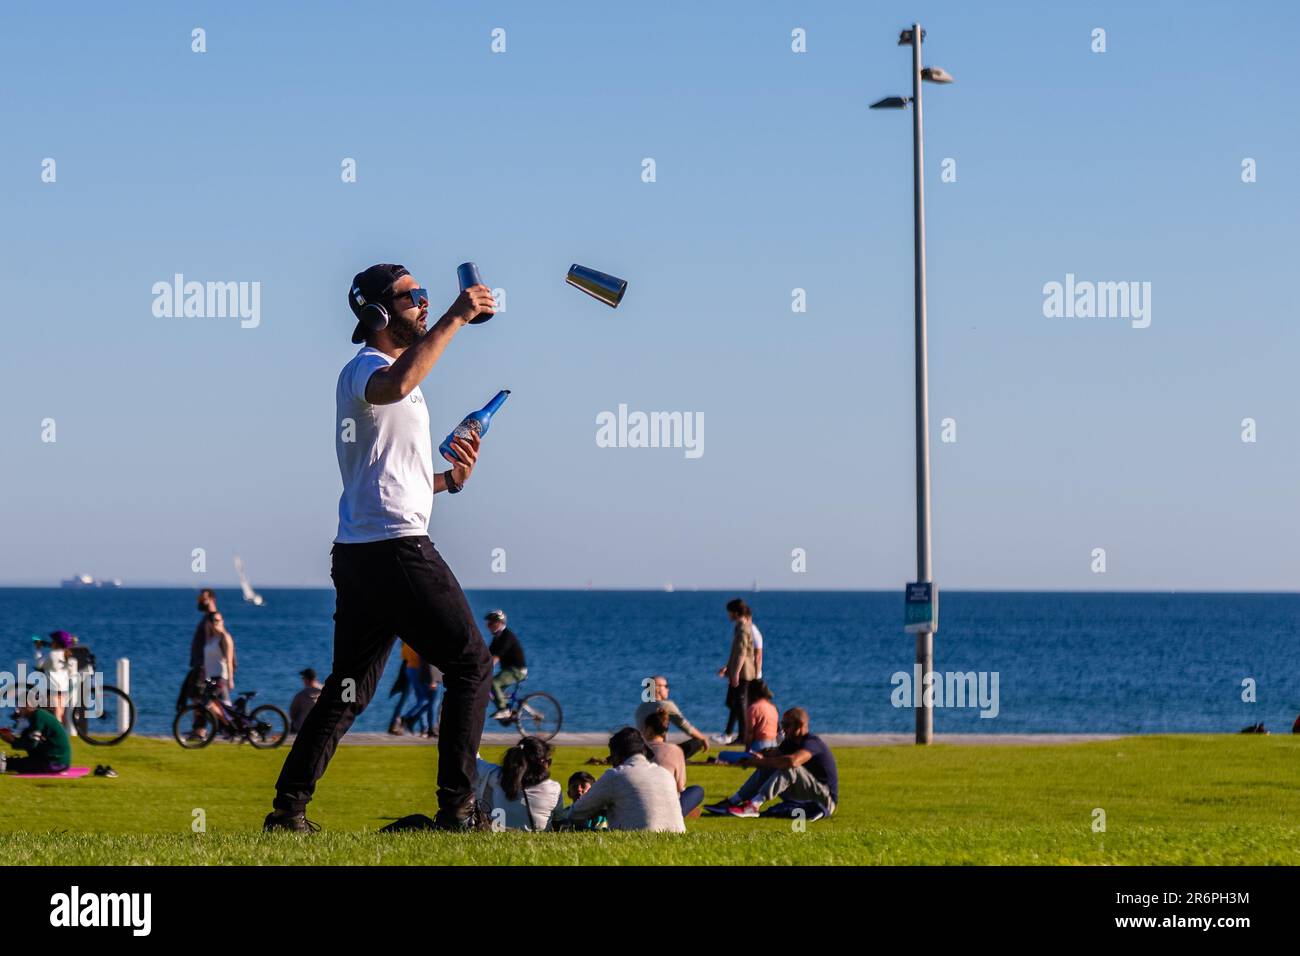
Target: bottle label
(466,429)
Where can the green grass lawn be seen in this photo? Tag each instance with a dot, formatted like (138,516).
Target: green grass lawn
(1172,800)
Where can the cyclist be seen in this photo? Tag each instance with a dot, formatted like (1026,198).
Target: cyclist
(509,653)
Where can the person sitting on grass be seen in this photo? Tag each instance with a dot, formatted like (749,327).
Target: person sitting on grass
(761,719)
(46,742)
(579,783)
(670,757)
(801,771)
(520,794)
(697,743)
(635,793)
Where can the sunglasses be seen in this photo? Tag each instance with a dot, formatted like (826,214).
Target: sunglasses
(417,296)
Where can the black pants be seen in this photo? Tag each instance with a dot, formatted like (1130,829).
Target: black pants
(386,589)
(35,763)
(691,747)
(737,705)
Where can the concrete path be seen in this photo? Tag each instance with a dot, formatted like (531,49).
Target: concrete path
(599,741)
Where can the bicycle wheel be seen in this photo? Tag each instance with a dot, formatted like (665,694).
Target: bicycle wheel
(539,715)
(194,727)
(267,727)
(101,727)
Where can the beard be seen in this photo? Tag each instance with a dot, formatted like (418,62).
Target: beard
(404,330)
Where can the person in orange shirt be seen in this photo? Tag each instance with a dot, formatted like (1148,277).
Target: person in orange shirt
(762,721)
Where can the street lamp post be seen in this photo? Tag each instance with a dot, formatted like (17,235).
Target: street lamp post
(924,630)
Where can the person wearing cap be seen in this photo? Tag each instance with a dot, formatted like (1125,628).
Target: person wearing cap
(509,653)
(304,700)
(389,579)
(54,664)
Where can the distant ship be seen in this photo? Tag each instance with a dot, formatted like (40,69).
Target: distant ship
(251,596)
(86,581)
(668,586)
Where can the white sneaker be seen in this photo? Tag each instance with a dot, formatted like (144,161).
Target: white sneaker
(725,739)
(501,714)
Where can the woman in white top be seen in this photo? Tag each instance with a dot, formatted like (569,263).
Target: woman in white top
(219,657)
(520,794)
(54,664)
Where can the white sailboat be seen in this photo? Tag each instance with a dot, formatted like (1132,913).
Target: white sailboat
(251,596)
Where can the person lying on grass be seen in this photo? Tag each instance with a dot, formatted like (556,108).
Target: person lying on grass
(48,748)
(801,771)
(635,793)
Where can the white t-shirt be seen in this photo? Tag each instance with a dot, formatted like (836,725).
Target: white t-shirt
(214,660)
(532,812)
(387,468)
(758,643)
(55,665)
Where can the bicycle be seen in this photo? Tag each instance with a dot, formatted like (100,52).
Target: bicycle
(111,708)
(198,725)
(535,715)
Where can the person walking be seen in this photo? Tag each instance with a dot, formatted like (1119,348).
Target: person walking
(192,686)
(389,579)
(758,645)
(739,671)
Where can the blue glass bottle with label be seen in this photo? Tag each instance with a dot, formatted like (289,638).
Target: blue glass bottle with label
(474,422)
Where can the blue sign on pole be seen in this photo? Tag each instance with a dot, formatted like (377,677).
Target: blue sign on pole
(921,607)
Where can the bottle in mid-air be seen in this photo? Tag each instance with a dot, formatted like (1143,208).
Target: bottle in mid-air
(474,422)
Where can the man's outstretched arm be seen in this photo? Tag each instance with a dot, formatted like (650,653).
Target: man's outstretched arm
(394,383)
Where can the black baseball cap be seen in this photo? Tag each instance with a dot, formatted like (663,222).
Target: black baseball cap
(372,285)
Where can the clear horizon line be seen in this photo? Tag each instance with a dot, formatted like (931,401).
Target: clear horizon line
(660,590)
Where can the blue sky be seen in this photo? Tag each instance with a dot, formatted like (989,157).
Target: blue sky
(771,175)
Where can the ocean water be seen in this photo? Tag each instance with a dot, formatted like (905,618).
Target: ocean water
(1067,662)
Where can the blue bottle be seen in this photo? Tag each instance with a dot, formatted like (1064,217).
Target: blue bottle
(474,422)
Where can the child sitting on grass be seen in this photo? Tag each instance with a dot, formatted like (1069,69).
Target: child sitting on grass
(579,783)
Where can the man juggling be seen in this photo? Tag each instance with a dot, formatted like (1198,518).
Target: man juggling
(389,580)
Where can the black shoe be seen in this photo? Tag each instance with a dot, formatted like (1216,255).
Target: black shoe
(722,809)
(104,770)
(471,818)
(293,822)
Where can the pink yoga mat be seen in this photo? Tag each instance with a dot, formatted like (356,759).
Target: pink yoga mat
(70,774)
